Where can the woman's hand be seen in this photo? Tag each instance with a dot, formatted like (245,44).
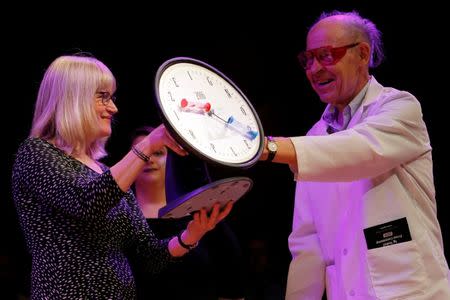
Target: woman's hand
(202,223)
(160,137)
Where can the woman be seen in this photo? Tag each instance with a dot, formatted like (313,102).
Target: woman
(79,217)
(213,270)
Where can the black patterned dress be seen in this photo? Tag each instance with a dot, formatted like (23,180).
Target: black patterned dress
(78,225)
(212,270)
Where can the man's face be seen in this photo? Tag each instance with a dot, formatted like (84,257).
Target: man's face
(336,80)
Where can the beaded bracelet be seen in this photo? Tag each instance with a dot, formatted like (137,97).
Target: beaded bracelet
(140,154)
(185,246)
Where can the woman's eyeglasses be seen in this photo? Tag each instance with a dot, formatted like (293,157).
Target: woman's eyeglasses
(105,97)
(326,56)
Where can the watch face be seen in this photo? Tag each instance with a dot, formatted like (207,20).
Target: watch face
(207,113)
(272,146)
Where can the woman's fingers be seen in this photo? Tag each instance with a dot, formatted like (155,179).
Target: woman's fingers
(161,137)
(205,223)
(172,144)
(212,221)
(197,217)
(225,211)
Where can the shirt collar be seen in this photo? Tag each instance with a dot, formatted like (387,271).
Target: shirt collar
(331,113)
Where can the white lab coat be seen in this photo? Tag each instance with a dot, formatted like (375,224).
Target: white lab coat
(376,171)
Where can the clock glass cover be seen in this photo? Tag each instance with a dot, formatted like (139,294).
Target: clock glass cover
(207,113)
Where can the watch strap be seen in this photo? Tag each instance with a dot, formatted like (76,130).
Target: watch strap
(271,156)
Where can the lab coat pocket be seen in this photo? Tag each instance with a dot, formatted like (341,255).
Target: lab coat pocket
(397,271)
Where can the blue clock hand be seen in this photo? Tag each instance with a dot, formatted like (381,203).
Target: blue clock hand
(234,124)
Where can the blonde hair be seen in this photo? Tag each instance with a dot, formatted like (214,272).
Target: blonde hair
(64,110)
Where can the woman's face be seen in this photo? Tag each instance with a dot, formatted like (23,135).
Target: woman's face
(105,108)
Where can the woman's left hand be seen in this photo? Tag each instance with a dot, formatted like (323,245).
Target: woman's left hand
(204,222)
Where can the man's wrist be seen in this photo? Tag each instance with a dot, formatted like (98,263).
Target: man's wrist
(272,148)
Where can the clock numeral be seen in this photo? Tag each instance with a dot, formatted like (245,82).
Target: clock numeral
(228,93)
(192,134)
(189,74)
(209,81)
(175,82)
(171,97)
(234,152)
(213,147)
(247,144)
(243,111)
(176,115)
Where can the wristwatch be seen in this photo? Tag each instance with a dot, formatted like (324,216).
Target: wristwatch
(272,147)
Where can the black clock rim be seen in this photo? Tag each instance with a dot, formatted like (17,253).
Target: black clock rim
(170,207)
(180,140)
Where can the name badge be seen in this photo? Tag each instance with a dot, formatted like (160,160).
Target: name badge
(387,234)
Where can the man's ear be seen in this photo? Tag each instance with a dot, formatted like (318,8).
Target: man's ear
(364,52)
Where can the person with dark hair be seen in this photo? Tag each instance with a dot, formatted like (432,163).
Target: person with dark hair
(213,270)
(80,217)
(365,224)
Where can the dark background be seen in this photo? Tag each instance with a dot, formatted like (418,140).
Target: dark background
(256,48)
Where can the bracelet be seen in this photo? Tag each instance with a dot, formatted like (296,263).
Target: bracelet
(140,154)
(185,246)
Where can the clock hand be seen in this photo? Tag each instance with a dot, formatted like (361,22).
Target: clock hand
(212,113)
(234,124)
(231,122)
(249,133)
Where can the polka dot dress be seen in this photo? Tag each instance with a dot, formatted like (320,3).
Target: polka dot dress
(79,226)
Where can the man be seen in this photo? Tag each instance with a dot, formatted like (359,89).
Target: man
(365,224)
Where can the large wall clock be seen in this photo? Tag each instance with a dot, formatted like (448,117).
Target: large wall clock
(207,113)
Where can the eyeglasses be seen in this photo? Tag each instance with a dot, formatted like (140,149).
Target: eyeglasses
(105,97)
(326,56)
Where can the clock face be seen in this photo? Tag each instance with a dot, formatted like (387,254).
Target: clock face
(207,113)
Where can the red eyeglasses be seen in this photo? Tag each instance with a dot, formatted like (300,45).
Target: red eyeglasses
(326,56)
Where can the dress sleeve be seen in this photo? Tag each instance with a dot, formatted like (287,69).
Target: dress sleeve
(42,172)
(148,253)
